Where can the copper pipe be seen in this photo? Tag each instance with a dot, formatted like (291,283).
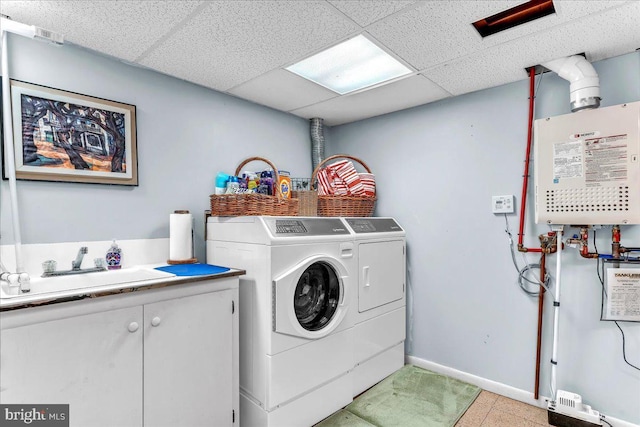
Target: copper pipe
(540,312)
(525,177)
(521,248)
(615,242)
(583,241)
(615,245)
(590,255)
(548,245)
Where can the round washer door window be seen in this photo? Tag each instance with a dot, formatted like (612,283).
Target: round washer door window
(317,296)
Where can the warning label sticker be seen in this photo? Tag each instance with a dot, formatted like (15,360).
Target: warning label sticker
(567,160)
(605,159)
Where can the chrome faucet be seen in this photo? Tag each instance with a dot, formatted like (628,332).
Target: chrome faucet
(75,265)
(49,266)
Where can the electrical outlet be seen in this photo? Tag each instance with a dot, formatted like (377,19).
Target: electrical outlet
(503,204)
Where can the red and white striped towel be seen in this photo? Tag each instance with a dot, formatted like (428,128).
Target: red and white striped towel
(349,175)
(342,179)
(369,183)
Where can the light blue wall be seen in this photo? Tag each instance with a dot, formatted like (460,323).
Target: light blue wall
(185,134)
(438,166)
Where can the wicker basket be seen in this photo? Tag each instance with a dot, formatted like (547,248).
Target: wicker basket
(253,203)
(308,200)
(349,206)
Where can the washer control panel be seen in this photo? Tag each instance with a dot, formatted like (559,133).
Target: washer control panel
(290,226)
(284,227)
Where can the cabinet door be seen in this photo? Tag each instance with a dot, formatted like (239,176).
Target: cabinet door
(91,362)
(188,361)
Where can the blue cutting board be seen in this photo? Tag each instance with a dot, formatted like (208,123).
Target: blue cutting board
(193,269)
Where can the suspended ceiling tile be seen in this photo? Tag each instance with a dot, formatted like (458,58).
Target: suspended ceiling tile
(435,31)
(282,90)
(365,12)
(124,29)
(399,95)
(507,62)
(566,11)
(438,31)
(609,41)
(231,42)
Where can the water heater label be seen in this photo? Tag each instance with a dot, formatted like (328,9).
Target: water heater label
(623,294)
(567,160)
(605,160)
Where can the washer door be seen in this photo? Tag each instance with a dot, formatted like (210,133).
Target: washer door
(309,299)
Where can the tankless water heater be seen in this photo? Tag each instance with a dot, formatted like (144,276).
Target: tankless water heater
(587,169)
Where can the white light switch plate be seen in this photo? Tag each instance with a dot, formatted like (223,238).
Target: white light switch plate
(503,204)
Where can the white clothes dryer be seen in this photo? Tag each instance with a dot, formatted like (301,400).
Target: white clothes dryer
(380,315)
(296,331)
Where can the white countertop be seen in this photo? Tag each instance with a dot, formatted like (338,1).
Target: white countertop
(90,285)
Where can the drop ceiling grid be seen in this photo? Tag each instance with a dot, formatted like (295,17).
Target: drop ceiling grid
(120,29)
(609,42)
(506,63)
(232,42)
(282,90)
(398,95)
(436,32)
(366,12)
(241,46)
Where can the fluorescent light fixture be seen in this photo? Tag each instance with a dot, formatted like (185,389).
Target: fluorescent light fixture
(349,66)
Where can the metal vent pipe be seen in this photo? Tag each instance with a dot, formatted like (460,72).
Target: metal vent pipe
(317,141)
(584,89)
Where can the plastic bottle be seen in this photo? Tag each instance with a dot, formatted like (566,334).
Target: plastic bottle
(114,256)
(233,185)
(221,183)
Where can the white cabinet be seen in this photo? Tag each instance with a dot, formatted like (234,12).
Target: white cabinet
(188,360)
(160,357)
(91,362)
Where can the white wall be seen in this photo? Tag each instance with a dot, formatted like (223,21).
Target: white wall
(438,166)
(186,134)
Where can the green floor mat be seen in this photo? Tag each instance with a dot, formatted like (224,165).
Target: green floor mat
(344,418)
(411,397)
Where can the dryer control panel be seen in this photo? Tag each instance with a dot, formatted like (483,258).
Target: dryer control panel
(373,225)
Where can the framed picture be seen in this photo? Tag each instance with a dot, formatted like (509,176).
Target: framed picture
(65,136)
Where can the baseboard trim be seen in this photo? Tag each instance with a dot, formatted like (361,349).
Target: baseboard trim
(496,387)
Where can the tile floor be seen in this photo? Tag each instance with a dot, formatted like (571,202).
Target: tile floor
(493,410)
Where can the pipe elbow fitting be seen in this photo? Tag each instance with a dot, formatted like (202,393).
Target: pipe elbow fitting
(584,88)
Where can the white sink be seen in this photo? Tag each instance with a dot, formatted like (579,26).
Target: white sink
(78,284)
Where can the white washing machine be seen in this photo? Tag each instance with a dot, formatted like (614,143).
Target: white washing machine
(296,331)
(379,315)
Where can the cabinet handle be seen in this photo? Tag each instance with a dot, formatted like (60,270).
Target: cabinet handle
(155,321)
(133,326)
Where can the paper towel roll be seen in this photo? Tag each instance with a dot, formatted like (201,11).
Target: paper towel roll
(181,236)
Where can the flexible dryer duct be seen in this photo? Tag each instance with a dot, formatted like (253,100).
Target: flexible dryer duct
(584,89)
(317,142)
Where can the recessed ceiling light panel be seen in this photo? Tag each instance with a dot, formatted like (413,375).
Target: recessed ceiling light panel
(349,66)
